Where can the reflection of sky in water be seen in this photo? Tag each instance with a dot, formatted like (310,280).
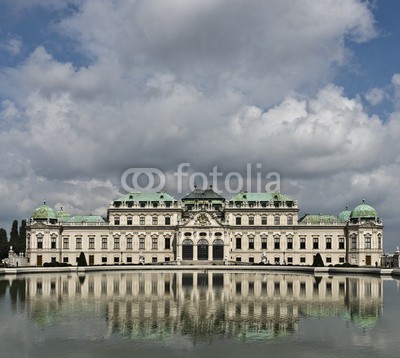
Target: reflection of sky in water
(166,313)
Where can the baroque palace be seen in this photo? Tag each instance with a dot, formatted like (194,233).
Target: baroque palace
(204,226)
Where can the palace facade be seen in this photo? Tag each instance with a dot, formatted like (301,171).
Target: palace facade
(204,226)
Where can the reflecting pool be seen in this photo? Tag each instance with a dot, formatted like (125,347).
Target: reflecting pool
(198,314)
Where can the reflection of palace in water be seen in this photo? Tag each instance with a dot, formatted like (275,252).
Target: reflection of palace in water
(204,304)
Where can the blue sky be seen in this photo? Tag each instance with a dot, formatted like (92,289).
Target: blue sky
(308,89)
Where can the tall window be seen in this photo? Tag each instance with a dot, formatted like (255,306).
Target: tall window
(341,243)
(290,243)
(302,243)
(53,243)
(116,220)
(251,243)
(167,220)
(116,243)
(155,220)
(129,243)
(91,243)
(238,243)
(328,243)
(290,220)
(40,243)
(368,242)
(167,243)
(238,220)
(104,243)
(154,243)
(379,242)
(264,220)
(277,243)
(277,220)
(141,243)
(78,244)
(142,220)
(264,243)
(129,220)
(353,242)
(315,243)
(251,220)
(66,243)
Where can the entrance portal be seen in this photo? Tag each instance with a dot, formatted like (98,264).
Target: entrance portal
(368,260)
(218,249)
(187,249)
(202,249)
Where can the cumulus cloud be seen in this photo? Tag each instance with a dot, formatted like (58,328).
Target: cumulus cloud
(375,96)
(209,83)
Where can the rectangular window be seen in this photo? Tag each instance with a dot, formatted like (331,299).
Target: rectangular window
(329,260)
(129,260)
(353,242)
(167,243)
(328,243)
(154,259)
(91,243)
(290,220)
(238,243)
(78,243)
(277,260)
(66,243)
(277,220)
(116,243)
(65,260)
(341,259)
(104,260)
(277,243)
(129,243)
(238,220)
(238,259)
(116,260)
(129,220)
(341,243)
(264,220)
(290,243)
(141,243)
(302,260)
(40,243)
(104,243)
(368,242)
(302,243)
(264,243)
(315,243)
(167,259)
(53,243)
(154,243)
(141,220)
(251,220)
(290,260)
(167,220)
(251,259)
(251,243)
(155,220)
(379,242)
(116,220)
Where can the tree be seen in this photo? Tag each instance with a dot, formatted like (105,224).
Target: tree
(318,262)
(4,244)
(82,260)
(22,236)
(14,242)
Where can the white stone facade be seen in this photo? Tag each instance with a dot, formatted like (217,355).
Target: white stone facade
(204,227)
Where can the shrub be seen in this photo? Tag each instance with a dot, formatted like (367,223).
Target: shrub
(82,260)
(318,262)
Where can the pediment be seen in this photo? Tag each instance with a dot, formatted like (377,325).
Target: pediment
(39,225)
(203,219)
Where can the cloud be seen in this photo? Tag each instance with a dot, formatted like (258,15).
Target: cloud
(12,46)
(375,96)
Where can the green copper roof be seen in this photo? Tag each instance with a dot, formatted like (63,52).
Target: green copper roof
(203,194)
(318,219)
(344,215)
(364,211)
(271,197)
(62,214)
(43,212)
(148,196)
(83,219)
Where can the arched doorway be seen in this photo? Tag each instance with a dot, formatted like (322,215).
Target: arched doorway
(218,249)
(187,249)
(202,249)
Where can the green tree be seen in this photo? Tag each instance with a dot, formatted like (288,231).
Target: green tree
(82,260)
(318,262)
(4,244)
(22,236)
(14,242)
